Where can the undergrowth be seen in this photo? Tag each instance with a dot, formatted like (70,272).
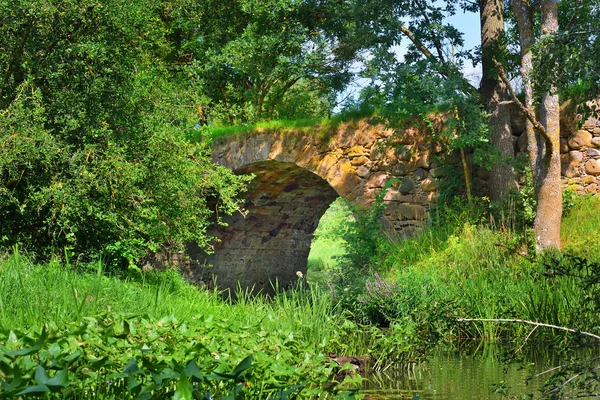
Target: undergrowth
(475,268)
(74,332)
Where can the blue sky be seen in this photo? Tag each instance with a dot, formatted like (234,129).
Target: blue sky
(468,24)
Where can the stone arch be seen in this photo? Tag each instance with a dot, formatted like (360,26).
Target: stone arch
(297,175)
(271,241)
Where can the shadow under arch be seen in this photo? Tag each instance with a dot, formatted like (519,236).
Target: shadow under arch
(272,241)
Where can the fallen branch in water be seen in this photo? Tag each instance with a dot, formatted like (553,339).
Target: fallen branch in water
(522,321)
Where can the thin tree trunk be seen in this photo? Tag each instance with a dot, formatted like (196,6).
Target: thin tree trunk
(549,206)
(493,94)
(543,154)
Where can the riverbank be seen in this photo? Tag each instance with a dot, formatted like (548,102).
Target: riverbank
(77,330)
(469,269)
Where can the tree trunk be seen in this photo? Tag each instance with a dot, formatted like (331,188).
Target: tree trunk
(544,157)
(493,93)
(549,194)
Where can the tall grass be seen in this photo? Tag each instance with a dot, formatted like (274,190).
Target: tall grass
(482,271)
(31,295)
(57,294)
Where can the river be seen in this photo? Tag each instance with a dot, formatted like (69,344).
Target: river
(474,370)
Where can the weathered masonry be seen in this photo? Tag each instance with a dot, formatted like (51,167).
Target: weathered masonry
(299,173)
(297,176)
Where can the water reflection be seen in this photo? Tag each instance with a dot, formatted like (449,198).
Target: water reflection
(472,370)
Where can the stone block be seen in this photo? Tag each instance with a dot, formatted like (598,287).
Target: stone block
(423,160)
(406,186)
(355,151)
(363,171)
(393,195)
(479,185)
(438,172)
(398,170)
(362,160)
(376,153)
(586,180)
(575,156)
(594,153)
(377,180)
(564,146)
(596,141)
(570,170)
(429,185)
(420,174)
(592,167)
(412,211)
(580,139)
(403,153)
(482,173)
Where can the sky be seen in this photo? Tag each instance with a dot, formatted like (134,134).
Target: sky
(468,24)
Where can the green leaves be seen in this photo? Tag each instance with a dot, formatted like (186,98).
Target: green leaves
(157,361)
(94,127)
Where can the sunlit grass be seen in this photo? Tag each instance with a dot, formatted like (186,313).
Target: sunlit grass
(315,125)
(581,228)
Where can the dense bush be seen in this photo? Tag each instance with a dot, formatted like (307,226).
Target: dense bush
(94,119)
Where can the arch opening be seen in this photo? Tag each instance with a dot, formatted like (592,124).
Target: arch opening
(271,243)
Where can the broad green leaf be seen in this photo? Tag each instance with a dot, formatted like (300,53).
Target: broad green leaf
(37,389)
(184,389)
(41,377)
(131,367)
(192,370)
(34,349)
(243,365)
(60,379)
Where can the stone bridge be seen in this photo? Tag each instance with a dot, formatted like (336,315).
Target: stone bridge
(297,176)
(298,173)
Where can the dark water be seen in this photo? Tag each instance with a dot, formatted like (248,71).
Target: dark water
(475,371)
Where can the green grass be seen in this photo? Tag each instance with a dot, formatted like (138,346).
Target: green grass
(480,271)
(581,228)
(313,125)
(50,312)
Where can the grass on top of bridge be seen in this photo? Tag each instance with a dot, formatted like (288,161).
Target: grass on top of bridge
(317,125)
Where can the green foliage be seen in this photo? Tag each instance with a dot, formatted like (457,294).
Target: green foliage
(361,236)
(464,269)
(137,358)
(94,127)
(88,335)
(569,60)
(277,58)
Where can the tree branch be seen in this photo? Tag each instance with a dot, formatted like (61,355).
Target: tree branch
(522,321)
(530,116)
(417,42)
(469,89)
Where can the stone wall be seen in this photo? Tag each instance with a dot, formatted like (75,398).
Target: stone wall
(298,173)
(580,152)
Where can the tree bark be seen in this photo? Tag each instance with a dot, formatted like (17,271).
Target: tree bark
(549,194)
(493,95)
(544,149)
